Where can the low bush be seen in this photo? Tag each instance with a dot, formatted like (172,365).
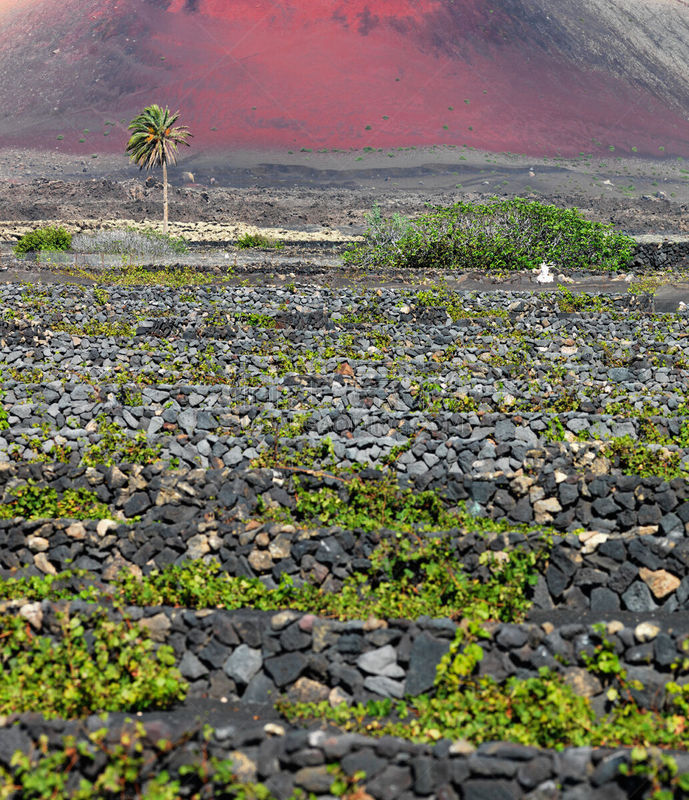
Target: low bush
(47,238)
(257,240)
(129,242)
(511,234)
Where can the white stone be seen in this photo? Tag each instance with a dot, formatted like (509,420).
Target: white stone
(461,747)
(646,632)
(382,661)
(104,526)
(273,729)
(76,531)
(33,613)
(41,561)
(594,542)
(37,544)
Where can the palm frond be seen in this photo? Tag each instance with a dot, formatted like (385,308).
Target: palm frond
(154,140)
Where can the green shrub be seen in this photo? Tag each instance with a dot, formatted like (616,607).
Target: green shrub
(257,240)
(511,234)
(44,239)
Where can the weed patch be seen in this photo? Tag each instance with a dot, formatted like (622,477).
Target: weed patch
(41,502)
(115,447)
(96,665)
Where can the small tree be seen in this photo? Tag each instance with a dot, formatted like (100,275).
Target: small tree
(154,142)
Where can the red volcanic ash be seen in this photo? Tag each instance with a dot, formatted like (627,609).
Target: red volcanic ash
(318,73)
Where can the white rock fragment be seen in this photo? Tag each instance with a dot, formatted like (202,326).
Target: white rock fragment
(646,632)
(33,613)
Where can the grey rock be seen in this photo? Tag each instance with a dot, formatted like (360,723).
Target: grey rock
(664,650)
(137,504)
(619,374)
(243,664)
(483,789)
(382,661)
(314,779)
(260,690)
(391,783)
(638,598)
(386,687)
(285,669)
(187,420)
(363,760)
(604,600)
(609,768)
(511,637)
(426,653)
(12,740)
(191,667)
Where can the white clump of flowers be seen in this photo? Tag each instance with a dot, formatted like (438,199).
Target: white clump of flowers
(544,274)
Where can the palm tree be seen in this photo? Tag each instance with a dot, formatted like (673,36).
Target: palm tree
(154,141)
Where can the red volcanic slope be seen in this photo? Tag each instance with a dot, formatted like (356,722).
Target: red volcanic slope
(311,74)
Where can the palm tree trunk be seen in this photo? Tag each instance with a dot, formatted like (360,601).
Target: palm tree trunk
(164,197)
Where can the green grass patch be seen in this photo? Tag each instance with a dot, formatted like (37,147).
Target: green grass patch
(254,319)
(116,447)
(541,711)
(454,303)
(405,581)
(118,766)
(138,275)
(571,302)
(634,458)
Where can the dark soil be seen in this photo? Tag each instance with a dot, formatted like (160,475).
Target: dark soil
(310,192)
